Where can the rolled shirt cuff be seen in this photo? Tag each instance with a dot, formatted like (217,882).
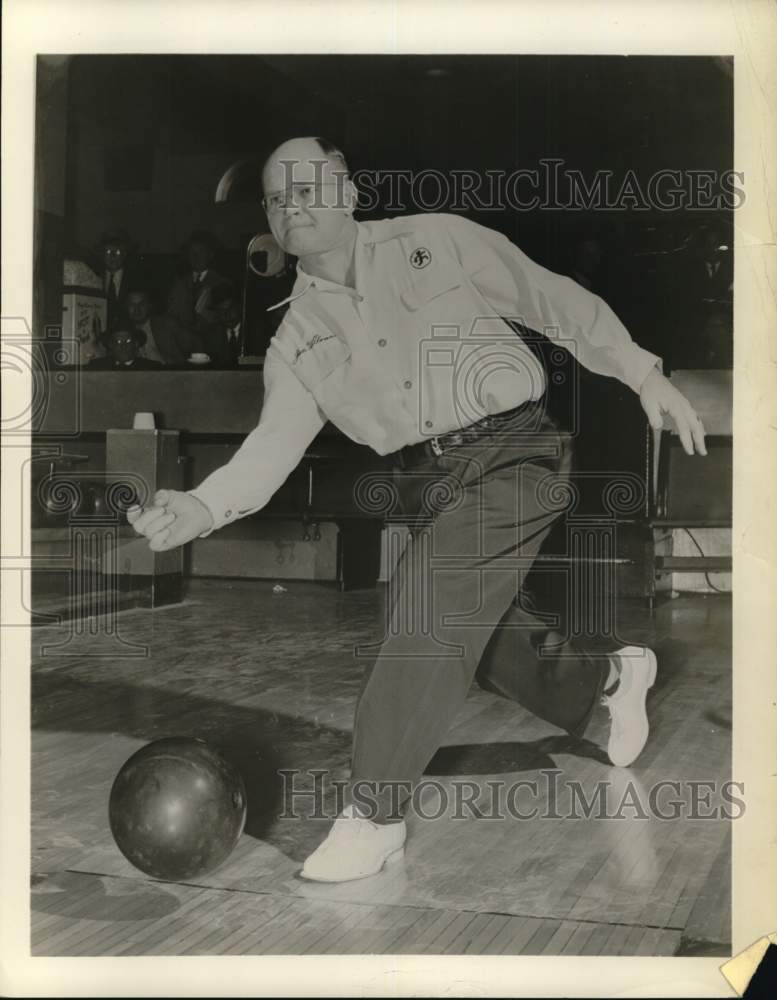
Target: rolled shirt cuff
(220,512)
(640,364)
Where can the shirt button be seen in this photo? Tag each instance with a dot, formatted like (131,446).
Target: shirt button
(228,514)
(382,342)
(429,423)
(408,384)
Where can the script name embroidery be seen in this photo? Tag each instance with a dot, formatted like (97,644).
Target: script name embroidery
(317,339)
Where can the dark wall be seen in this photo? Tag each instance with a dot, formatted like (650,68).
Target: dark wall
(50,191)
(149,137)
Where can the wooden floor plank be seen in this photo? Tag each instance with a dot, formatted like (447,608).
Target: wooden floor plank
(174,937)
(209,939)
(60,906)
(617,940)
(127,919)
(521,932)
(408,929)
(114,936)
(303,926)
(328,939)
(374,928)
(430,936)
(438,944)
(474,931)
(537,942)
(597,942)
(141,940)
(561,938)
(413,939)
(488,933)
(277,913)
(649,941)
(578,940)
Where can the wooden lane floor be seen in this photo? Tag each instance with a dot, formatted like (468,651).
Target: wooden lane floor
(271,679)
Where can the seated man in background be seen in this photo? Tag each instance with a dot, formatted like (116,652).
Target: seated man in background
(122,346)
(166,340)
(188,302)
(222,341)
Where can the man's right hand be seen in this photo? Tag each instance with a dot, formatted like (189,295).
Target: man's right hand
(175,519)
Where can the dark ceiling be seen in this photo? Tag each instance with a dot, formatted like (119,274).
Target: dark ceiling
(455,111)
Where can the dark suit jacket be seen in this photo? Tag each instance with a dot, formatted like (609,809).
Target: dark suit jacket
(703,285)
(181,302)
(134,277)
(217,346)
(175,342)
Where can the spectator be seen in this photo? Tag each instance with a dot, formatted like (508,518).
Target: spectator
(122,347)
(166,341)
(118,273)
(710,273)
(223,340)
(189,300)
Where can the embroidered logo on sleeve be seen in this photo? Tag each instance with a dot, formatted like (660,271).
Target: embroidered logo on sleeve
(420,258)
(310,344)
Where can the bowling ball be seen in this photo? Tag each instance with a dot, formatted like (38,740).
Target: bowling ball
(177,809)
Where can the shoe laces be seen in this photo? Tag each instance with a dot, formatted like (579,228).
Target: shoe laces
(351,822)
(607,702)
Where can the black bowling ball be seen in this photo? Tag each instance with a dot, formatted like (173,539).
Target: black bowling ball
(177,809)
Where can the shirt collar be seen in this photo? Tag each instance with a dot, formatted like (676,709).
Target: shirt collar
(365,237)
(306,281)
(301,285)
(390,229)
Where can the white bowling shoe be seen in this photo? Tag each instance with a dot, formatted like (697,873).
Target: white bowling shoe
(355,848)
(629,727)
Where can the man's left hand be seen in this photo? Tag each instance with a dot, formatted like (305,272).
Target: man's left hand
(658,396)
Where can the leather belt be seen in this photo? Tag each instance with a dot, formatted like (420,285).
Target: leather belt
(415,454)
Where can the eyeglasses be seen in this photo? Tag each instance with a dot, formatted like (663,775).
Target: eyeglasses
(299,196)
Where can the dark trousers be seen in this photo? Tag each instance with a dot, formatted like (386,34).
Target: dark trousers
(479,514)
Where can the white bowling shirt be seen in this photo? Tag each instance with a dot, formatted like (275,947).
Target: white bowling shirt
(416,349)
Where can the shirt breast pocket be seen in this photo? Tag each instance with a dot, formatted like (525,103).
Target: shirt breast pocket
(429,288)
(315,360)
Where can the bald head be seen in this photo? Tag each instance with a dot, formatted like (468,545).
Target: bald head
(308,196)
(302,160)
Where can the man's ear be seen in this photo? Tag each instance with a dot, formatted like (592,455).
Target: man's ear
(350,197)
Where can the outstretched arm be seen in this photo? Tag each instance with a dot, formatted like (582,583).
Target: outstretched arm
(289,421)
(518,288)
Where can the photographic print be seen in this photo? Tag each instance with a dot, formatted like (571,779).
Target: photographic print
(378,503)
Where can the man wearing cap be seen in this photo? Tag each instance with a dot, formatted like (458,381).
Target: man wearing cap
(395,333)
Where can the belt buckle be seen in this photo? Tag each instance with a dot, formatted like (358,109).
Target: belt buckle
(436,447)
